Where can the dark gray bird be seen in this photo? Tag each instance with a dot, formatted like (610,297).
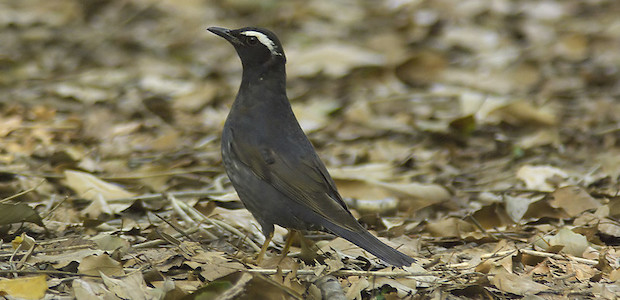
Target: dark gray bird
(271,163)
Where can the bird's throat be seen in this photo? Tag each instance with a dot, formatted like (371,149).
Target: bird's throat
(264,80)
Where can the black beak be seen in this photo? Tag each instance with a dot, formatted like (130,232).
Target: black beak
(225,33)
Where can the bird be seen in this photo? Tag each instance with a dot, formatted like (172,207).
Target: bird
(270,161)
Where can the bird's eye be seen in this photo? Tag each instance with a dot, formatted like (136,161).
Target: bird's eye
(252,40)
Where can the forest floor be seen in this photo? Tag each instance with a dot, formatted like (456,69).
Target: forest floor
(480,137)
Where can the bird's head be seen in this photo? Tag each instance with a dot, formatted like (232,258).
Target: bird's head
(255,46)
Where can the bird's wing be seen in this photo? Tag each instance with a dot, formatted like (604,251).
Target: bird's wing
(302,177)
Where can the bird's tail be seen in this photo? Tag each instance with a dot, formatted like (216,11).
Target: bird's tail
(364,239)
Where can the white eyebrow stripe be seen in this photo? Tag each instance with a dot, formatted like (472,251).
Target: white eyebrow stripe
(263,39)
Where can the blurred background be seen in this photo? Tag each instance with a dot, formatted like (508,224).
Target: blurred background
(435,88)
(438,119)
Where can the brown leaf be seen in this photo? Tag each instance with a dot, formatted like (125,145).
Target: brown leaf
(108,242)
(357,285)
(214,265)
(449,227)
(521,112)
(370,182)
(422,68)
(90,187)
(574,200)
(512,283)
(132,286)
(92,265)
(333,59)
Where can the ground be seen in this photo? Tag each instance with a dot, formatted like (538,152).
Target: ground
(480,137)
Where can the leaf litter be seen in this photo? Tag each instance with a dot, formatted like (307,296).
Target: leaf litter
(480,137)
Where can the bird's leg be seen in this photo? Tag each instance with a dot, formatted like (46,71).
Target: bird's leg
(263,249)
(309,250)
(287,245)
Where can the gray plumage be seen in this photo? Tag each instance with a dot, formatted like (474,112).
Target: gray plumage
(270,161)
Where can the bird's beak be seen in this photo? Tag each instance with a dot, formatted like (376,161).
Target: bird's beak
(225,33)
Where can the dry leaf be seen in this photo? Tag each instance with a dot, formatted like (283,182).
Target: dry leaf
(96,264)
(574,200)
(492,216)
(521,112)
(515,284)
(423,194)
(358,284)
(313,114)
(90,187)
(404,286)
(516,207)
(572,47)
(333,59)
(88,289)
(609,228)
(368,182)
(7,125)
(25,287)
(541,137)
(383,206)
(23,242)
(154,176)
(214,265)
(82,93)
(573,243)
(16,213)
(421,68)
(132,286)
(424,281)
(108,242)
(61,260)
(449,227)
(537,177)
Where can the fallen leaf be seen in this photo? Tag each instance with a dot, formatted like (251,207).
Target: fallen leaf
(313,114)
(333,59)
(214,265)
(25,287)
(63,259)
(515,284)
(8,124)
(96,264)
(23,242)
(90,187)
(108,242)
(404,286)
(572,47)
(538,177)
(383,206)
(421,68)
(358,284)
(132,287)
(573,243)
(370,182)
(423,194)
(88,289)
(82,93)
(574,200)
(541,137)
(449,227)
(521,112)
(516,207)
(17,213)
